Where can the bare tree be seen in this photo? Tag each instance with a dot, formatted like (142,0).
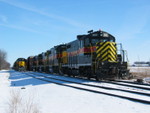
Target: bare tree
(3,63)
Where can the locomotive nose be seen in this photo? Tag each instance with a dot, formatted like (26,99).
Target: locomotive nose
(22,63)
(106,51)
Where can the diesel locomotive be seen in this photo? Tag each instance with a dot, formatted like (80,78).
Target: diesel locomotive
(20,64)
(92,55)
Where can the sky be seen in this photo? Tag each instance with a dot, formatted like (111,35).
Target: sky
(30,27)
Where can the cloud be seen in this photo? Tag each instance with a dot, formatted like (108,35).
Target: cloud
(3,19)
(20,28)
(39,11)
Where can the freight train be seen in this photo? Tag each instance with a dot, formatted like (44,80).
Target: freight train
(92,55)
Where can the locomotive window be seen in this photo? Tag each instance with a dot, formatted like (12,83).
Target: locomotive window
(86,43)
(101,34)
(49,52)
(94,41)
(111,40)
(68,46)
(104,40)
(94,35)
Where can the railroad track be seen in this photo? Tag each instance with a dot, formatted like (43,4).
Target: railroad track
(122,83)
(142,84)
(82,85)
(116,82)
(97,86)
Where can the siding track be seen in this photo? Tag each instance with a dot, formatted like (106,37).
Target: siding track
(138,94)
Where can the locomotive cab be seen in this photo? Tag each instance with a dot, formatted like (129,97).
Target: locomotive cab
(102,48)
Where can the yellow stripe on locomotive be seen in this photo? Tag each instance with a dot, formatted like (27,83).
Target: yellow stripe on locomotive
(106,51)
(64,57)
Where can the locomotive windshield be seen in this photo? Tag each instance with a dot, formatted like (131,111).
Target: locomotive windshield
(95,37)
(95,40)
(92,41)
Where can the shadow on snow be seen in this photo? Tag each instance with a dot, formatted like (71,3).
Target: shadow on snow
(21,79)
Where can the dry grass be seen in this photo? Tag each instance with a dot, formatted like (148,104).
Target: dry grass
(140,72)
(18,104)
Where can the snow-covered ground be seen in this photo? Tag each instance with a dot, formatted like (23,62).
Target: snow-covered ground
(52,98)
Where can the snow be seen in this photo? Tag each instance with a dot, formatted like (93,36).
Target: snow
(52,98)
(101,84)
(97,89)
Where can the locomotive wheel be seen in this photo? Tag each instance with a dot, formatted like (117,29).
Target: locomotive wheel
(60,72)
(99,76)
(88,77)
(69,72)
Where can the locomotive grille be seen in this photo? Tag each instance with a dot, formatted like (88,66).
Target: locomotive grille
(106,51)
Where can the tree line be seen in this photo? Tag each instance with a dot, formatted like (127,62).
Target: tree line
(3,63)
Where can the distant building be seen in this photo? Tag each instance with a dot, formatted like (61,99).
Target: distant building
(148,63)
(141,64)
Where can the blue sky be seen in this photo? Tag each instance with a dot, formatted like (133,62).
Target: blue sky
(30,27)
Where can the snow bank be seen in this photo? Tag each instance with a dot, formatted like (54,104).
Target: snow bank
(4,90)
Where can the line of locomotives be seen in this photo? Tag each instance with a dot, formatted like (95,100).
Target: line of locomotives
(93,55)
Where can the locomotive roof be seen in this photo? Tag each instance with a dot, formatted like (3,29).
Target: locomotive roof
(98,34)
(21,59)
